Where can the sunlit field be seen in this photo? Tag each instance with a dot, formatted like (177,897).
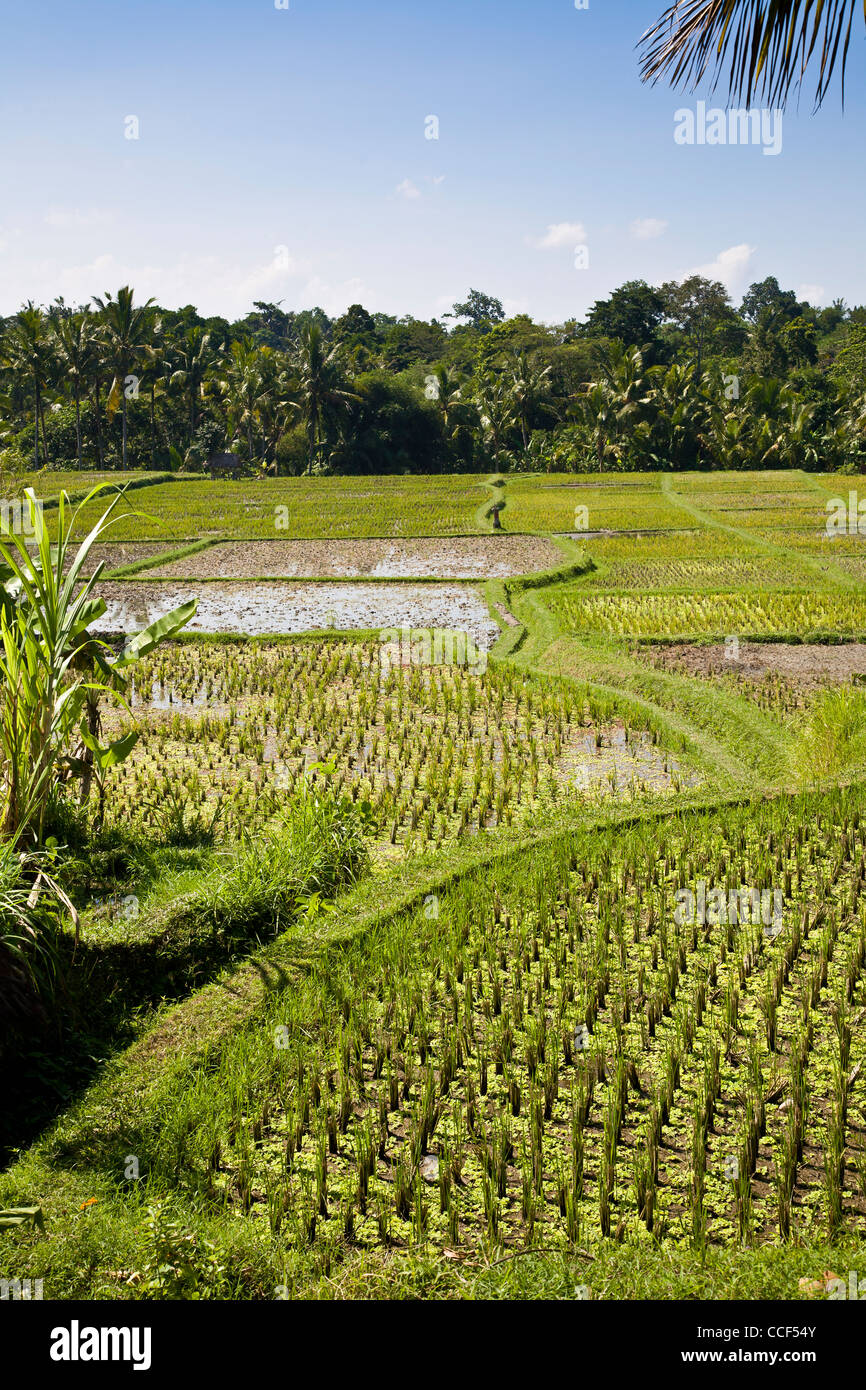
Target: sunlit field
(392,947)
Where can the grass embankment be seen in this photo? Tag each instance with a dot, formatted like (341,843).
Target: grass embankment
(733,744)
(178,918)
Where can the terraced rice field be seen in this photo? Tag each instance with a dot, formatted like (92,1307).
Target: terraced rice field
(438,752)
(254,609)
(711,614)
(458,557)
(555,502)
(392,506)
(758,572)
(515,943)
(573,1051)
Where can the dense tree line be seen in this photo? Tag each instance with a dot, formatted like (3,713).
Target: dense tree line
(673,376)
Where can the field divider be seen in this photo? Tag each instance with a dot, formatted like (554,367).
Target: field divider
(129,574)
(484,514)
(52,501)
(152,561)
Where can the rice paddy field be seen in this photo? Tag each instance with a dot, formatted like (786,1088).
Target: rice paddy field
(438,752)
(712,614)
(195,509)
(571,1057)
(513,948)
(573,502)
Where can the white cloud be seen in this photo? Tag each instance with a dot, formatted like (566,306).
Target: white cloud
(67,219)
(813,293)
(561,234)
(407,189)
(334,299)
(730,266)
(647,228)
(210,282)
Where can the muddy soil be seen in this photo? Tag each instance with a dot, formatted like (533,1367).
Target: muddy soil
(260,609)
(800,663)
(113,554)
(458,557)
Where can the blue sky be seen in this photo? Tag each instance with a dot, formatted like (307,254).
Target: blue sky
(281,155)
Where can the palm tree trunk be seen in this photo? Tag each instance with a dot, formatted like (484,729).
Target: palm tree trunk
(123,447)
(78,425)
(44,434)
(98,426)
(36,417)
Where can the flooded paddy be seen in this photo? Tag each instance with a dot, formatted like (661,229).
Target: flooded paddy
(273,609)
(438,751)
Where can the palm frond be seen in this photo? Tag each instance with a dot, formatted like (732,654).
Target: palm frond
(761,47)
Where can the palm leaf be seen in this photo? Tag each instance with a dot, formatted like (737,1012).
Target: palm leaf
(761,47)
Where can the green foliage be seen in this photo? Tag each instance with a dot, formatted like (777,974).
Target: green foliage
(177,1263)
(129,385)
(834,737)
(47,654)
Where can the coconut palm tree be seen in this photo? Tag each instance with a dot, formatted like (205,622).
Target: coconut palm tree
(278,408)
(767,44)
(850,433)
(322,392)
(793,445)
(617,408)
(496,413)
(29,351)
(125,335)
(192,355)
(529,391)
(243,389)
(76,348)
(155,370)
(683,410)
(446,389)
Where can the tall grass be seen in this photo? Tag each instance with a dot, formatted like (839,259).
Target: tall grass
(833,737)
(27,956)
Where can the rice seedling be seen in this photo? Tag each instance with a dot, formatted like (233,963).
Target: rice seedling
(430,753)
(771,613)
(564,1120)
(392,506)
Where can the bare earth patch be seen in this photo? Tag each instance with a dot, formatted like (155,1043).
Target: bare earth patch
(800,663)
(457,557)
(113,554)
(260,609)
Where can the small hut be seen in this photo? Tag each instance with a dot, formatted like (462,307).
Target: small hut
(224,466)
